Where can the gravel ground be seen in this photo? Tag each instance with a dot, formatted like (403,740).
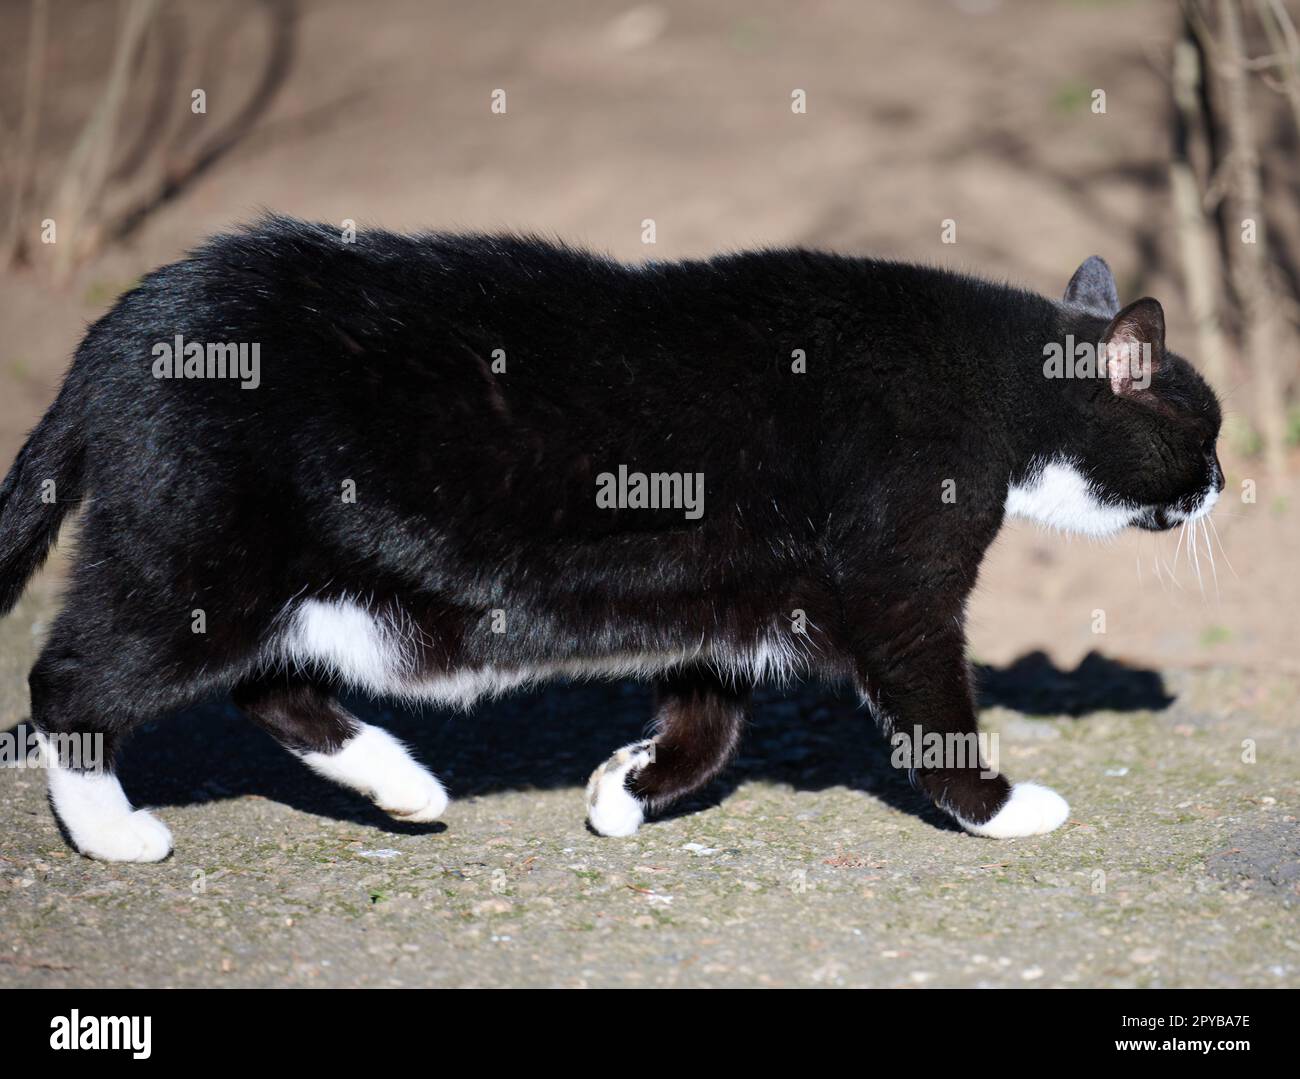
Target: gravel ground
(810,864)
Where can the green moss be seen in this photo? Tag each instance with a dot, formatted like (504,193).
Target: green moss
(1072,96)
(103,292)
(1216,634)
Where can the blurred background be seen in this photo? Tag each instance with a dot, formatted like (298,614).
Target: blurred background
(1162,136)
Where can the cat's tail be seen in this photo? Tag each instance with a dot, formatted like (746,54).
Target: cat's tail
(43,485)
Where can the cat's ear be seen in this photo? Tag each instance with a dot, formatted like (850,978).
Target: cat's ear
(1135,345)
(1093,287)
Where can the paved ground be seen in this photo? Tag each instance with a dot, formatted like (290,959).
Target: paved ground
(810,864)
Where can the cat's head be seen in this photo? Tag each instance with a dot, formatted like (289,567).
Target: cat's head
(1138,443)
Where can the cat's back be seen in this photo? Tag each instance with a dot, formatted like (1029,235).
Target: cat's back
(479,335)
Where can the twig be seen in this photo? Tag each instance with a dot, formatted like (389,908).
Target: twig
(88,164)
(1200,255)
(34,964)
(1248,262)
(24,158)
(1285,43)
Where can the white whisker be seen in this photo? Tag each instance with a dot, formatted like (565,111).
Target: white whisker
(1182,533)
(1222,550)
(1155,564)
(1173,577)
(1209,550)
(1195,556)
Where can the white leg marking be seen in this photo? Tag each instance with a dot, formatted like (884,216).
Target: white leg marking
(611,809)
(1031,810)
(375,763)
(101,822)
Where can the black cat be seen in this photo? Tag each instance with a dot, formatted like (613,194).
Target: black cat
(439,466)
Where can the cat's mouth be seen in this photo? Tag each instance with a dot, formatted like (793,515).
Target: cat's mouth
(1163,518)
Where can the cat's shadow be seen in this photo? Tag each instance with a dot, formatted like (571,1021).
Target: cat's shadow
(808,737)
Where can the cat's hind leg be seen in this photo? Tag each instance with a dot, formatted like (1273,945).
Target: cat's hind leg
(304,716)
(698,720)
(89,688)
(94,810)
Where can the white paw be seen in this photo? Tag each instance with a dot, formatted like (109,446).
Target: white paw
(99,819)
(375,763)
(135,837)
(611,808)
(418,798)
(1031,810)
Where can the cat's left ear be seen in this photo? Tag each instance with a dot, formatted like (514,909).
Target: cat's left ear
(1093,287)
(1135,345)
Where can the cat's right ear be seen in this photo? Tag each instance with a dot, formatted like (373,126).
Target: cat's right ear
(1093,287)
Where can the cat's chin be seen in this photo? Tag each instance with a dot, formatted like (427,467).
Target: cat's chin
(1155,520)
(1163,518)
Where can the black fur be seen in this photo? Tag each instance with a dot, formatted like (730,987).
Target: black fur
(475,489)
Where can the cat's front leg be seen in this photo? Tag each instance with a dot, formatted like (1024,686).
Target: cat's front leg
(698,719)
(921,695)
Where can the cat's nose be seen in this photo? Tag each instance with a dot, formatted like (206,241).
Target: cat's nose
(1220,481)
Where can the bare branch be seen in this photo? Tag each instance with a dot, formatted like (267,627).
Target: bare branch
(1200,255)
(11,245)
(1252,280)
(88,165)
(1285,43)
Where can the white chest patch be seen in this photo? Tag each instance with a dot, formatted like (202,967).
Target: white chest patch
(1059,495)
